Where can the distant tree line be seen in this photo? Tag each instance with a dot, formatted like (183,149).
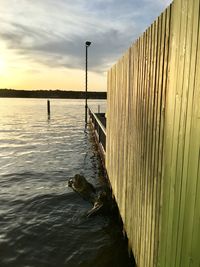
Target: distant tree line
(51,94)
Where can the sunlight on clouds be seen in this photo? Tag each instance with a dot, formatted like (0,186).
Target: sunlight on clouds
(42,42)
(19,71)
(63,79)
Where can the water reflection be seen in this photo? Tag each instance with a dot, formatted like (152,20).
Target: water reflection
(43,223)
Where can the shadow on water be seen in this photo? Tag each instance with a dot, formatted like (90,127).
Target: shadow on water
(42,222)
(53,230)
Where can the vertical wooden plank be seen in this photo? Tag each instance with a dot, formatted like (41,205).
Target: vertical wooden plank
(194,143)
(132,110)
(125,133)
(181,177)
(163,55)
(163,107)
(146,138)
(138,180)
(168,182)
(154,139)
(135,173)
(149,145)
(194,254)
(144,143)
(136,139)
(140,132)
(146,107)
(140,140)
(130,202)
(176,136)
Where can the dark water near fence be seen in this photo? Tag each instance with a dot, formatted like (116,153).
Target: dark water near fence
(42,222)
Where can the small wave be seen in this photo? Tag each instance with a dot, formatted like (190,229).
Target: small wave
(42,222)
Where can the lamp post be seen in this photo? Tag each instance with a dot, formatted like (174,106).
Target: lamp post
(87,44)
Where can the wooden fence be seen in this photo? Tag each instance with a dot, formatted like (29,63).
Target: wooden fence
(153,139)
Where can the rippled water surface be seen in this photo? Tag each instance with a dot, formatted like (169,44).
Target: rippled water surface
(42,222)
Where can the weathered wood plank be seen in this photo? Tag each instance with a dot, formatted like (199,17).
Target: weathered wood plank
(194,254)
(153,137)
(168,194)
(163,108)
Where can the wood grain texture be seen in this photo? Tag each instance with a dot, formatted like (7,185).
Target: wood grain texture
(153,139)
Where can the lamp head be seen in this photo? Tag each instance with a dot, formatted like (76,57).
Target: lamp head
(87,43)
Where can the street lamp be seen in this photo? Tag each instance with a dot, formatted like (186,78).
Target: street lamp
(87,44)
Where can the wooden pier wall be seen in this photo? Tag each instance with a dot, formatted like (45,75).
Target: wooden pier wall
(153,139)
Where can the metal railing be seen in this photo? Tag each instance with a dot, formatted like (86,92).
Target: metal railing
(99,128)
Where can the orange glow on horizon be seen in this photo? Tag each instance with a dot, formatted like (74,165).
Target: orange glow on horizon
(19,72)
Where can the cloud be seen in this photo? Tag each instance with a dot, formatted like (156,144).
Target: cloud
(53,32)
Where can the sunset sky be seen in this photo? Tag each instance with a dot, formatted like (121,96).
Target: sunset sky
(42,41)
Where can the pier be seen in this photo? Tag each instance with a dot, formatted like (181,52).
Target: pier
(151,142)
(98,125)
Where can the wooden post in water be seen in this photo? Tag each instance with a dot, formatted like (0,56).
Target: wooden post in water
(48,108)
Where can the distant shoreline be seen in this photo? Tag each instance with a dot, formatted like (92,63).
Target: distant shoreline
(51,94)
